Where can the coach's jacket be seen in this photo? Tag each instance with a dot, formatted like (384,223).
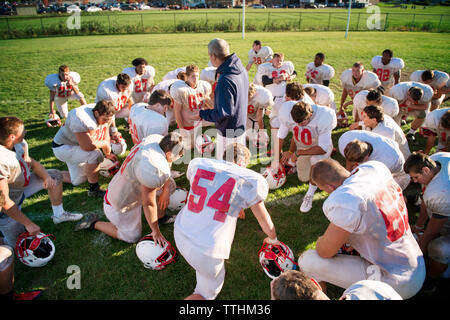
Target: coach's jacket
(230,98)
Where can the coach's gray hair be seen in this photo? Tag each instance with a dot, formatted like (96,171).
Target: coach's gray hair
(219,48)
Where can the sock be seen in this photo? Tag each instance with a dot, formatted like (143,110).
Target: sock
(311,190)
(93,186)
(58,210)
(412,131)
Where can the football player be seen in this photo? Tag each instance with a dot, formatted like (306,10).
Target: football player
(173,74)
(189,97)
(437,80)
(259,100)
(388,69)
(318,72)
(433,172)
(354,80)
(205,227)
(374,98)
(437,124)
(20,177)
(258,55)
(311,142)
(146,119)
(142,183)
(375,120)
(359,146)
(84,141)
(321,95)
(414,99)
(142,76)
(366,210)
(63,87)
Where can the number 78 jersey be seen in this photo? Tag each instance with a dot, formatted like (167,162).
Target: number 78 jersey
(219,191)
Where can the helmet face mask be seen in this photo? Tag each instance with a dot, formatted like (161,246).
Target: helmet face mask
(152,255)
(274,179)
(53,121)
(34,251)
(109,168)
(275,259)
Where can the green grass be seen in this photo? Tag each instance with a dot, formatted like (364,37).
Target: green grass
(110,268)
(230,20)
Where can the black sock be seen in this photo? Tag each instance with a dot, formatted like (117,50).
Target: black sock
(93,186)
(7,296)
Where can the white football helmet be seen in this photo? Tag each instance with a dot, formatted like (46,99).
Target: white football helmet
(118,147)
(274,179)
(109,168)
(261,139)
(53,120)
(342,120)
(35,251)
(154,256)
(178,199)
(204,143)
(275,259)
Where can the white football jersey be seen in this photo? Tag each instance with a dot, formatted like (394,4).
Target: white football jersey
(262,56)
(191,99)
(219,190)
(389,105)
(15,169)
(107,90)
(433,123)
(324,95)
(261,100)
(173,74)
(390,129)
(370,290)
(164,85)
(144,122)
(316,133)
(386,72)
(78,120)
(145,165)
(437,193)
(267,69)
(370,205)
(62,89)
(319,74)
(400,92)
(208,74)
(369,80)
(141,83)
(440,78)
(385,150)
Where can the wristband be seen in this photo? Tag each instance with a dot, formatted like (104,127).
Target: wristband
(290,152)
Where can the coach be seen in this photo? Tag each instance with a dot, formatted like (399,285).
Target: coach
(230,96)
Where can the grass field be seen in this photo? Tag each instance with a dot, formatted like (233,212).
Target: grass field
(110,268)
(433,18)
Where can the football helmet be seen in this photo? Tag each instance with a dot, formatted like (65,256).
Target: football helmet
(290,167)
(261,139)
(53,120)
(109,168)
(34,251)
(204,143)
(154,256)
(275,259)
(178,199)
(274,179)
(342,120)
(118,147)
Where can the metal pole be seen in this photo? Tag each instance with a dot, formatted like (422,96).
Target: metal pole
(329,21)
(142,22)
(243,19)
(109,24)
(357,24)
(42,26)
(9,29)
(206,21)
(268,21)
(439,26)
(412,22)
(174,23)
(348,18)
(386,21)
(300,22)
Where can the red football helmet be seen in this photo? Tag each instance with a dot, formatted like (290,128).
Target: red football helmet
(275,259)
(275,179)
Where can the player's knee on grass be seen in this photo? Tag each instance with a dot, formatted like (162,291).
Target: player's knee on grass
(303,168)
(309,261)
(129,236)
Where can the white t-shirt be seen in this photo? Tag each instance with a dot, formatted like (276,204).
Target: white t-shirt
(385,72)
(141,83)
(79,120)
(319,74)
(262,56)
(389,105)
(437,193)
(261,100)
(145,165)
(440,78)
(324,95)
(62,89)
(316,133)
(433,123)
(107,90)
(385,150)
(219,190)
(370,206)
(369,80)
(144,122)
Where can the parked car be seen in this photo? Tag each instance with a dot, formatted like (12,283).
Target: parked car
(320,5)
(259,6)
(93,9)
(127,7)
(73,8)
(333,5)
(115,8)
(310,6)
(294,5)
(142,6)
(201,6)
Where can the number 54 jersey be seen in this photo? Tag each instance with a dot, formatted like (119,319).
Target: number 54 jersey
(219,191)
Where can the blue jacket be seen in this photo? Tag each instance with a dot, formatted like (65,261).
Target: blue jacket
(230,98)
